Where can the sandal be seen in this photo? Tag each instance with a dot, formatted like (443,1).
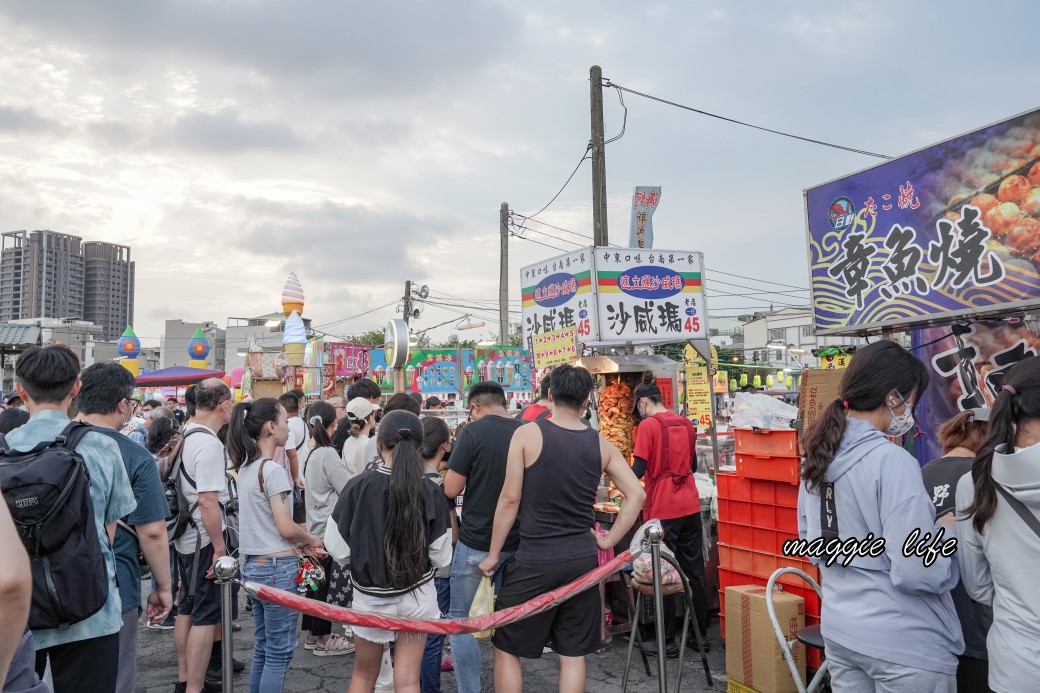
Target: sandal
(311,644)
(334,647)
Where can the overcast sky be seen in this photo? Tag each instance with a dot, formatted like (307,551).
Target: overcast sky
(362,144)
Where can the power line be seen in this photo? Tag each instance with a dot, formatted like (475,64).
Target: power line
(608,83)
(352,317)
(584,156)
(444,294)
(762,281)
(517,235)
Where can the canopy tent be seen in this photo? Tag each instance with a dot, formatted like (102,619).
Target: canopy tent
(176,375)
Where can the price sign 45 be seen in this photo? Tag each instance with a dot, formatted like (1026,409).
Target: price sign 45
(692,325)
(584,328)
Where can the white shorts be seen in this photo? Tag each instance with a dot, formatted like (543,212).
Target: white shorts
(419,604)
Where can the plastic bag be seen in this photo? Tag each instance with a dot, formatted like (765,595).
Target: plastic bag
(643,565)
(761,411)
(483,604)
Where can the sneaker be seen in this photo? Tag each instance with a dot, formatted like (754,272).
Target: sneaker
(348,632)
(166,624)
(671,649)
(447,663)
(214,673)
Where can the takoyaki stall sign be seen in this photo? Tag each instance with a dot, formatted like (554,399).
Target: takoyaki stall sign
(943,233)
(557,294)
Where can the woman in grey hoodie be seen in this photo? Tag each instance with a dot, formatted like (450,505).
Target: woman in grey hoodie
(888,619)
(999,551)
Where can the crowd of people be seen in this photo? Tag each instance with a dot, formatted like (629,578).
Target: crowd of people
(924,613)
(365,493)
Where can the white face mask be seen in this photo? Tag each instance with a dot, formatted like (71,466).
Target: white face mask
(901,423)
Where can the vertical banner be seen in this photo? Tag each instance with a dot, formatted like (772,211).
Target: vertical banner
(328,380)
(967,365)
(641,230)
(698,395)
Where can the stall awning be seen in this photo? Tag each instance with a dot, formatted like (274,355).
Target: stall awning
(18,336)
(177,375)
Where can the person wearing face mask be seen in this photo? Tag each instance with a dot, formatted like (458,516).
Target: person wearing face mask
(888,620)
(998,530)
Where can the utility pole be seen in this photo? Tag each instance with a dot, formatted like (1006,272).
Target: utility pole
(503,275)
(599,159)
(400,383)
(408,303)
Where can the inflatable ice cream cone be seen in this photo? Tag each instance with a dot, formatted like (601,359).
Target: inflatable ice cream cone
(294,339)
(294,354)
(292,296)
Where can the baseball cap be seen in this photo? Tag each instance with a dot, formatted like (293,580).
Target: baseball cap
(361,408)
(433,402)
(643,390)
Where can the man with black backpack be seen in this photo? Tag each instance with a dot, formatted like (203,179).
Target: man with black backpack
(104,401)
(200,541)
(54,463)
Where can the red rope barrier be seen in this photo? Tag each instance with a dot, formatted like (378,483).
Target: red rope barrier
(458,626)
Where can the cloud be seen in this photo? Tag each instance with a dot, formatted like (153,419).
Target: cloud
(330,49)
(225,132)
(14,119)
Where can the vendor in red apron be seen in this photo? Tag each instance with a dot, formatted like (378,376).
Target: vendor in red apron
(664,458)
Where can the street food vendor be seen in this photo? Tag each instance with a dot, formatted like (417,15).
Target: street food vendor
(664,458)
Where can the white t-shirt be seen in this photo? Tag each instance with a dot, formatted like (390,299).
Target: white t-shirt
(298,437)
(354,454)
(202,458)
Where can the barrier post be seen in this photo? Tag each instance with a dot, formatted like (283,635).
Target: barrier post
(654,536)
(225,570)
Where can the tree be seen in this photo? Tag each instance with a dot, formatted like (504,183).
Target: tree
(372,338)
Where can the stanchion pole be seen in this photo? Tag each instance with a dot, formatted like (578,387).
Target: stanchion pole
(654,536)
(225,570)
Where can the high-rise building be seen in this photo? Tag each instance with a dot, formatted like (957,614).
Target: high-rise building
(44,274)
(41,275)
(108,287)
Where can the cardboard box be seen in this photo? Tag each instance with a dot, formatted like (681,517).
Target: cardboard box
(819,388)
(753,655)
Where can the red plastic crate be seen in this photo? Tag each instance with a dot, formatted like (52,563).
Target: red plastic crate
(762,565)
(736,535)
(766,443)
(787,469)
(733,487)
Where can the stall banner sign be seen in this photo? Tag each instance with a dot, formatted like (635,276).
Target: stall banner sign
(427,371)
(649,296)
(698,395)
(509,366)
(349,359)
(945,232)
(967,364)
(644,203)
(667,388)
(328,380)
(556,348)
(558,293)
(835,361)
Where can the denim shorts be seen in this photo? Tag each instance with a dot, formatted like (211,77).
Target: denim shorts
(419,604)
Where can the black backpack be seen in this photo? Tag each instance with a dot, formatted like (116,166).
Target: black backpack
(47,490)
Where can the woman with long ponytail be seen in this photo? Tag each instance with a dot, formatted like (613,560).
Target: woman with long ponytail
(324,476)
(269,539)
(998,531)
(393,526)
(888,619)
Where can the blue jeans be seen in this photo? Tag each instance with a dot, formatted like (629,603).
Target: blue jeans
(465,577)
(430,673)
(275,640)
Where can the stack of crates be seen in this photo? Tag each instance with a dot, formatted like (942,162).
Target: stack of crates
(758,512)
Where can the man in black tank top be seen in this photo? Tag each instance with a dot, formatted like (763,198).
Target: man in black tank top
(552,473)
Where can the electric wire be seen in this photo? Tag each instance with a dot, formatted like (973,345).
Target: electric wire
(584,157)
(608,83)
